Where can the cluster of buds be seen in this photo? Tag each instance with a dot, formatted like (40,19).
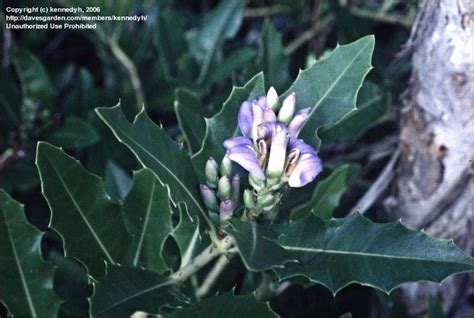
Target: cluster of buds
(270,149)
(221,191)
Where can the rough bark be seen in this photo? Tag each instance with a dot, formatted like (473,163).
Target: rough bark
(434,186)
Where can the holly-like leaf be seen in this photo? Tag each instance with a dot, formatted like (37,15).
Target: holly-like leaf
(117,182)
(158,152)
(227,305)
(95,229)
(91,225)
(224,124)
(236,60)
(189,112)
(221,24)
(147,214)
(273,61)
(338,252)
(372,105)
(331,85)
(327,194)
(26,281)
(76,133)
(124,290)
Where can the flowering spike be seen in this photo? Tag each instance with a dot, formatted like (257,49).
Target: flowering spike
(298,121)
(224,188)
(276,160)
(211,171)
(272,99)
(287,109)
(209,197)
(226,167)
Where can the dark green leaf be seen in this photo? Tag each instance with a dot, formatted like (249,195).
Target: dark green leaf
(158,152)
(330,86)
(76,133)
(224,124)
(171,41)
(371,106)
(273,61)
(227,305)
(91,225)
(327,194)
(189,111)
(221,24)
(35,82)
(147,214)
(338,252)
(26,281)
(94,229)
(124,291)
(235,61)
(117,182)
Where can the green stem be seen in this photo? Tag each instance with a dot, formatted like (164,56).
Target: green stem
(211,278)
(307,35)
(210,253)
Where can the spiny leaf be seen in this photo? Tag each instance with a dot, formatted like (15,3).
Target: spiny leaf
(227,305)
(224,124)
(35,82)
(26,281)
(123,291)
(94,228)
(331,85)
(158,152)
(338,252)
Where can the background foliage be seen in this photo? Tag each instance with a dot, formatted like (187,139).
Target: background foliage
(182,65)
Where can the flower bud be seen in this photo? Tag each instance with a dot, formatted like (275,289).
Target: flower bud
(277,157)
(226,167)
(211,171)
(257,113)
(256,182)
(223,188)
(265,200)
(209,197)
(249,200)
(272,99)
(269,115)
(296,124)
(287,109)
(235,184)
(225,210)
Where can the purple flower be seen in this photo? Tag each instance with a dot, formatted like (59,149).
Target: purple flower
(303,164)
(244,154)
(277,157)
(245,119)
(298,121)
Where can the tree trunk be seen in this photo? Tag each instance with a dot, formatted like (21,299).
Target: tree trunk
(434,186)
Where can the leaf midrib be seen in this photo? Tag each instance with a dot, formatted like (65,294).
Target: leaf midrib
(157,160)
(81,213)
(351,253)
(145,223)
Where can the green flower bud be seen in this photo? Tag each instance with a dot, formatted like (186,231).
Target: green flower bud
(226,167)
(249,200)
(235,184)
(272,99)
(287,109)
(223,188)
(256,183)
(265,200)
(211,171)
